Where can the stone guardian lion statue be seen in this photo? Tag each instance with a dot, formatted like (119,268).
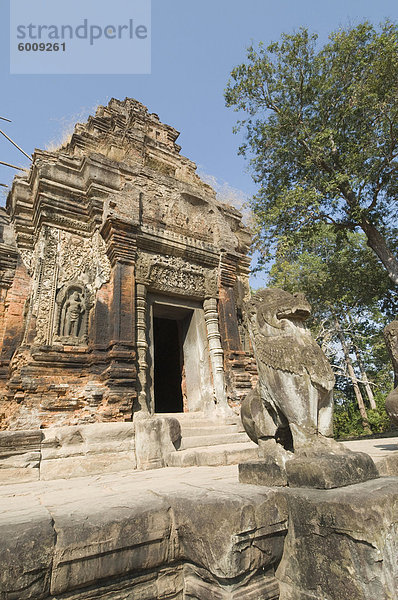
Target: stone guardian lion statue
(290,412)
(293,401)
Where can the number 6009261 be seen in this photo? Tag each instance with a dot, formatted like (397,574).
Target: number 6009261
(41,47)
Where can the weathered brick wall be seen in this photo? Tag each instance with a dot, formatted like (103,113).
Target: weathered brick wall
(15,306)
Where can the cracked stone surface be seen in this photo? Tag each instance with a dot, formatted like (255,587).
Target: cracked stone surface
(196,534)
(342,544)
(141,535)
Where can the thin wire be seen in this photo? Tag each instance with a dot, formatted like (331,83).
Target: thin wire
(16,145)
(12,166)
(4,119)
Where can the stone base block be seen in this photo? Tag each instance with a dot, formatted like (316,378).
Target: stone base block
(20,474)
(90,464)
(27,541)
(330,470)
(387,466)
(342,544)
(156,439)
(20,455)
(262,472)
(80,450)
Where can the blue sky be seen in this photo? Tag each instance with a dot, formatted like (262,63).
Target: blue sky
(194,47)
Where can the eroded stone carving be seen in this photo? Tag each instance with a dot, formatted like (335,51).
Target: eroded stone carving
(84,259)
(291,408)
(171,274)
(72,315)
(181,215)
(46,285)
(28,259)
(296,380)
(391,339)
(65,261)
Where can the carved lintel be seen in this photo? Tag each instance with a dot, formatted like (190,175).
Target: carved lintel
(175,275)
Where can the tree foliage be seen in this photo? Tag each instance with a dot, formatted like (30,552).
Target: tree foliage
(333,270)
(347,419)
(322,133)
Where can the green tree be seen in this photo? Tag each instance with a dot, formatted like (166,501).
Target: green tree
(322,133)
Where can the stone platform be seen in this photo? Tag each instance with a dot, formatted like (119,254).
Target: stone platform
(383,450)
(173,440)
(196,533)
(170,533)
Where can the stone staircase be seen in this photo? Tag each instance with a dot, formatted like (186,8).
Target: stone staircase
(208,440)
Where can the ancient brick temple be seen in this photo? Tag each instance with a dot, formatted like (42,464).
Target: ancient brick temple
(122,279)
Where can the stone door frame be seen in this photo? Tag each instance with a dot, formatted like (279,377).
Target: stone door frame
(200,393)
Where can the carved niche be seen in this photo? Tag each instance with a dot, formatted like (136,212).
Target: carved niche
(73,307)
(63,261)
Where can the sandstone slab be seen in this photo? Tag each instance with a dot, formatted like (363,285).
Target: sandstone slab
(164,534)
(75,451)
(20,455)
(342,544)
(156,439)
(387,465)
(27,543)
(330,470)
(262,472)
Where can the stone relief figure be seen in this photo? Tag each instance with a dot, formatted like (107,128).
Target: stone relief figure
(72,316)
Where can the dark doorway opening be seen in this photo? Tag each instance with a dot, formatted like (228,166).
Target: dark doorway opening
(168,365)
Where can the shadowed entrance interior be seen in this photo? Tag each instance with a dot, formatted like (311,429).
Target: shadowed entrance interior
(168,365)
(179,362)
(170,326)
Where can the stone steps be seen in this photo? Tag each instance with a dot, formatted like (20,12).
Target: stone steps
(211,440)
(210,429)
(199,441)
(214,456)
